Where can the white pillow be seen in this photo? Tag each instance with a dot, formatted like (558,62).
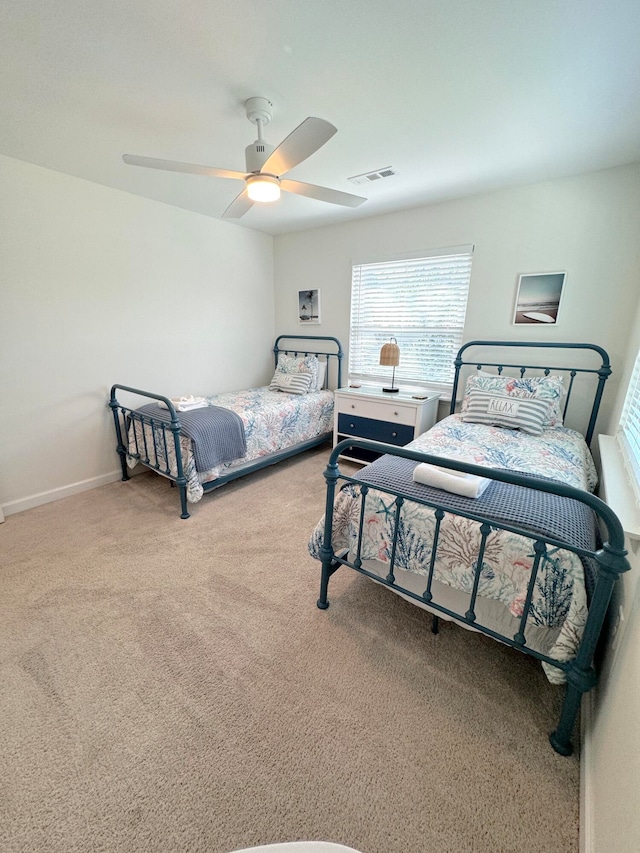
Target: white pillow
(292,383)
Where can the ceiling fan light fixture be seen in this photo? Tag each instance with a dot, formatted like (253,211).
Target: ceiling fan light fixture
(263,188)
(265,165)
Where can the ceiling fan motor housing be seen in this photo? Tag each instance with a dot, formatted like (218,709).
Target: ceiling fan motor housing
(256,154)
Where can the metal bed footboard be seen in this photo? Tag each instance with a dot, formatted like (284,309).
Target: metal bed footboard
(153,441)
(610,559)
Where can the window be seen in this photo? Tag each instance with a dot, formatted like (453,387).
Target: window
(629,430)
(422,302)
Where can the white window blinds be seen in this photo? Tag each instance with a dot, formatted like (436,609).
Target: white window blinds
(422,302)
(629,430)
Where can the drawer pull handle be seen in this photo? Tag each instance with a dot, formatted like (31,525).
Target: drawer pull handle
(353,405)
(394,434)
(396,414)
(352,426)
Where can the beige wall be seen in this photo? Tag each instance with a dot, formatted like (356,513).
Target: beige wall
(98,286)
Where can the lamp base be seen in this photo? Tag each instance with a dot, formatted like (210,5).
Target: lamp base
(391,390)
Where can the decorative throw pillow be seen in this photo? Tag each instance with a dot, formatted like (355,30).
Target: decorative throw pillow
(548,388)
(300,364)
(292,383)
(524,413)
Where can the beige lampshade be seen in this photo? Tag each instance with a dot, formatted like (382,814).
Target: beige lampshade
(390,354)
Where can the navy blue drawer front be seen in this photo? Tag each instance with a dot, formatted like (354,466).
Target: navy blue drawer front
(399,434)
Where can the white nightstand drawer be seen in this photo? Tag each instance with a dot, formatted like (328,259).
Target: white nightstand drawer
(381,411)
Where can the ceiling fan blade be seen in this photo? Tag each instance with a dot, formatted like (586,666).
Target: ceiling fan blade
(174,166)
(300,144)
(321,193)
(239,206)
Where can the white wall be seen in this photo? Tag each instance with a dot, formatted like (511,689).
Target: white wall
(98,286)
(588,226)
(613,753)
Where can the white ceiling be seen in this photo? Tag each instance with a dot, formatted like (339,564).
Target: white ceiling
(458,96)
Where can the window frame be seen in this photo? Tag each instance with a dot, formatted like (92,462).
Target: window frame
(367,371)
(628,432)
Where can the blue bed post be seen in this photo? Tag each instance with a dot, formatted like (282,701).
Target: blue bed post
(581,675)
(604,373)
(181,480)
(457,363)
(122,450)
(331,475)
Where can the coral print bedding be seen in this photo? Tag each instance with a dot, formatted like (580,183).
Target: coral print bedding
(272,421)
(560,597)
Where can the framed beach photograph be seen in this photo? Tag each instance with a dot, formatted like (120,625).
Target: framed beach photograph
(538,298)
(308,306)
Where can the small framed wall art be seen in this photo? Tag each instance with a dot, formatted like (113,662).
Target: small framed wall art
(538,298)
(308,306)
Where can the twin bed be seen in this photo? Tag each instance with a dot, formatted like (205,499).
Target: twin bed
(521,560)
(229,435)
(530,559)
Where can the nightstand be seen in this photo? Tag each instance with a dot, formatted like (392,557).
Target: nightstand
(369,412)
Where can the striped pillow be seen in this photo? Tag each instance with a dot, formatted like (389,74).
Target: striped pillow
(292,383)
(549,388)
(524,413)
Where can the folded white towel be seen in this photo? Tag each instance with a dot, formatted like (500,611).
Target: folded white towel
(184,404)
(468,485)
(186,407)
(451,470)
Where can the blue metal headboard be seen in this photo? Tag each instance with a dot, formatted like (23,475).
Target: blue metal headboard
(317,351)
(603,372)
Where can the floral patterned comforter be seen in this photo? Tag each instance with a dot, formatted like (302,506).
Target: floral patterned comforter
(559,605)
(273,421)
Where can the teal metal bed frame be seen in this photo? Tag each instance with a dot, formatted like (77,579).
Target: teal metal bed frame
(166,435)
(610,558)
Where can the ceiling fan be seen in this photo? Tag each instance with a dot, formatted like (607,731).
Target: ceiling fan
(265,164)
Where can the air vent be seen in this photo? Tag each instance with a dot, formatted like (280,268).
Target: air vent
(369,177)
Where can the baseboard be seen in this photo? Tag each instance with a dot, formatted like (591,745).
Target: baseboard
(586,774)
(57,494)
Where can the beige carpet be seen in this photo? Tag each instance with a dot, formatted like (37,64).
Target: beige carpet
(170,685)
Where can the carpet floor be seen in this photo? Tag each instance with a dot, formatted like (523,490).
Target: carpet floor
(170,685)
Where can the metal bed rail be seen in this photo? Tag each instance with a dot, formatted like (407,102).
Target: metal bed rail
(610,560)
